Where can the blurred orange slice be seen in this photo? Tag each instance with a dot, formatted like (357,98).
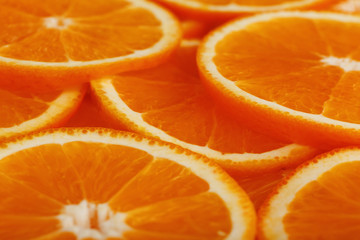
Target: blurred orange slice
(169,102)
(103,184)
(293,75)
(23,112)
(318,201)
(46,43)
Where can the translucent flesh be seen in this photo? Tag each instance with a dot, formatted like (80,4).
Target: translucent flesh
(327,208)
(96,30)
(160,197)
(281,61)
(17,109)
(171,98)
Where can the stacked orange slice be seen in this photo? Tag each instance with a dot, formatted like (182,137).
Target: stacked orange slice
(168,102)
(293,75)
(54,44)
(102,184)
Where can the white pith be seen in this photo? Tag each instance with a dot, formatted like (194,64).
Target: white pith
(119,107)
(76,218)
(241,214)
(57,22)
(168,25)
(272,225)
(209,66)
(234,8)
(349,6)
(67,100)
(347,64)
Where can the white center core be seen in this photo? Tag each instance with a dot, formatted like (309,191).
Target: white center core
(347,64)
(88,220)
(57,22)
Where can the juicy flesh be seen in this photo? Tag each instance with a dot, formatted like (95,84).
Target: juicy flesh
(309,65)
(171,98)
(327,208)
(70,30)
(108,192)
(21,106)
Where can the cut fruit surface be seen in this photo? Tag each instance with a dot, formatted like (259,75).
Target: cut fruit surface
(293,75)
(105,184)
(318,201)
(218,10)
(23,112)
(169,102)
(59,44)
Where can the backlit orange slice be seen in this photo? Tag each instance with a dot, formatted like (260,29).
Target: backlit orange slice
(58,43)
(23,112)
(102,184)
(319,201)
(293,75)
(169,102)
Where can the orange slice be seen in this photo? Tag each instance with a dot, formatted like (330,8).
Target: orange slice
(319,200)
(70,41)
(103,184)
(347,6)
(169,102)
(23,112)
(294,75)
(219,10)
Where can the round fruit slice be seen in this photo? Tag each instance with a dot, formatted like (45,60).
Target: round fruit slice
(23,112)
(294,75)
(60,43)
(169,102)
(319,200)
(211,10)
(103,184)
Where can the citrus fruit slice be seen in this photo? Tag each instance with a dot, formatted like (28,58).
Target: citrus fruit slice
(318,201)
(23,112)
(58,44)
(169,102)
(347,6)
(103,184)
(294,75)
(218,10)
